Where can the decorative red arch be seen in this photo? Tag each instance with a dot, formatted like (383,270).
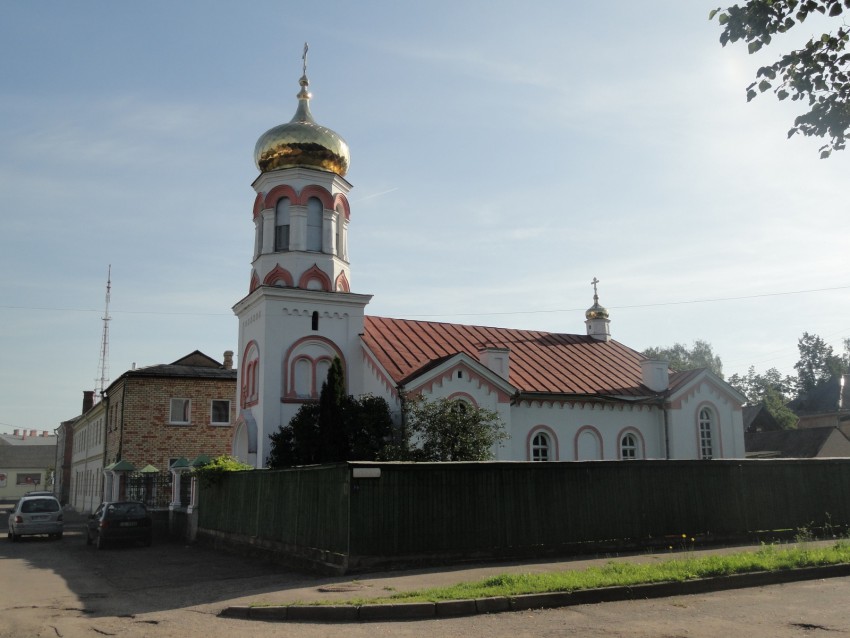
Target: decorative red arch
(289,363)
(315,274)
(278,274)
(319,193)
(279,192)
(341,201)
(341,284)
(255,281)
(258,205)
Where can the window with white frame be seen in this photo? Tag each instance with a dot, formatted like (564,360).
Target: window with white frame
(180,411)
(540,447)
(706,427)
(220,412)
(314,225)
(628,447)
(281,225)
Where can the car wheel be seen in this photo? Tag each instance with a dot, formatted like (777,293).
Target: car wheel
(88,537)
(100,544)
(148,540)
(59,536)
(13,537)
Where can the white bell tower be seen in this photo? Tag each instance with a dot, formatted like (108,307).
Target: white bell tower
(299,312)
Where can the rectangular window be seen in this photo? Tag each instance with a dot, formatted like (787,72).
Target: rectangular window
(281,240)
(180,410)
(220,412)
(706,451)
(28,478)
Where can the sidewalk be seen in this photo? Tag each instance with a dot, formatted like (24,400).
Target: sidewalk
(295,604)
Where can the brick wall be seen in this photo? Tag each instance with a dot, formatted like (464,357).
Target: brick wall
(148,437)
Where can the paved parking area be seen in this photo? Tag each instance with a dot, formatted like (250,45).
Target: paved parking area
(66,588)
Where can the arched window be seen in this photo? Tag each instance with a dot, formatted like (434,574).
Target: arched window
(628,447)
(314,225)
(588,444)
(250,375)
(340,220)
(322,368)
(314,322)
(303,381)
(258,247)
(706,427)
(540,447)
(281,222)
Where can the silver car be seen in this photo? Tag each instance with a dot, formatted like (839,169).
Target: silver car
(36,514)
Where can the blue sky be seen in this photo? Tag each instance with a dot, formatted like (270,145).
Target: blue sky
(503,155)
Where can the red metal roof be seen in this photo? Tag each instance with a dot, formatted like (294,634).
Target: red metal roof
(539,361)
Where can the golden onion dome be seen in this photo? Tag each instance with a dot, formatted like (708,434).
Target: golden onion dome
(302,142)
(596,311)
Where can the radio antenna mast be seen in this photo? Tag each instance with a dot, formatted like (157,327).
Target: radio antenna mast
(103,364)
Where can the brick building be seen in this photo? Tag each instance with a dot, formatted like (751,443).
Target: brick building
(161,413)
(147,419)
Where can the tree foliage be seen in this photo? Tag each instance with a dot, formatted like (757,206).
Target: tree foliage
(818,74)
(448,430)
(680,357)
(771,389)
(211,473)
(818,362)
(337,428)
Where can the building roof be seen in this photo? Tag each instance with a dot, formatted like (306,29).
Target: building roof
(28,456)
(41,437)
(758,419)
(195,365)
(832,395)
(540,362)
(803,443)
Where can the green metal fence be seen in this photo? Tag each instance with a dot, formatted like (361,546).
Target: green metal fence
(462,510)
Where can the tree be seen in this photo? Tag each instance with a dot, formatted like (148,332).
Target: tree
(680,357)
(818,362)
(771,389)
(818,73)
(448,430)
(756,385)
(337,428)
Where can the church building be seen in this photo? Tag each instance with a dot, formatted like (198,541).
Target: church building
(562,397)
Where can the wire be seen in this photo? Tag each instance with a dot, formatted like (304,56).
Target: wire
(464,314)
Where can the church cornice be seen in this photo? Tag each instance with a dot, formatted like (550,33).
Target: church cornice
(297,295)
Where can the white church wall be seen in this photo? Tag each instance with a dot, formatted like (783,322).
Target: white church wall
(727,423)
(585,431)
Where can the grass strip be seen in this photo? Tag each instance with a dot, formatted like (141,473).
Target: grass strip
(622,573)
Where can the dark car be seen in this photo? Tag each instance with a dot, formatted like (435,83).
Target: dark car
(36,513)
(120,521)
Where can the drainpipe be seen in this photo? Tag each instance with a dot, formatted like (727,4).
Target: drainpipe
(666,412)
(403,424)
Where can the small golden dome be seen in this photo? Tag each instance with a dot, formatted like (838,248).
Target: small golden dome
(302,142)
(596,311)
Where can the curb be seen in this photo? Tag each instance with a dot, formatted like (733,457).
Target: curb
(549,600)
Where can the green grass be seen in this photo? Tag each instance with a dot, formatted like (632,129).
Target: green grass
(621,573)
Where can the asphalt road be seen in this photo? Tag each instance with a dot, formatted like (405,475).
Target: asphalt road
(66,589)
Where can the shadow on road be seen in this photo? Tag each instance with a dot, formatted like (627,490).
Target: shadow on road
(132,579)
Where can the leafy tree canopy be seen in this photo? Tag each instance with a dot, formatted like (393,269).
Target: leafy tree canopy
(818,362)
(681,357)
(771,389)
(755,385)
(818,74)
(448,430)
